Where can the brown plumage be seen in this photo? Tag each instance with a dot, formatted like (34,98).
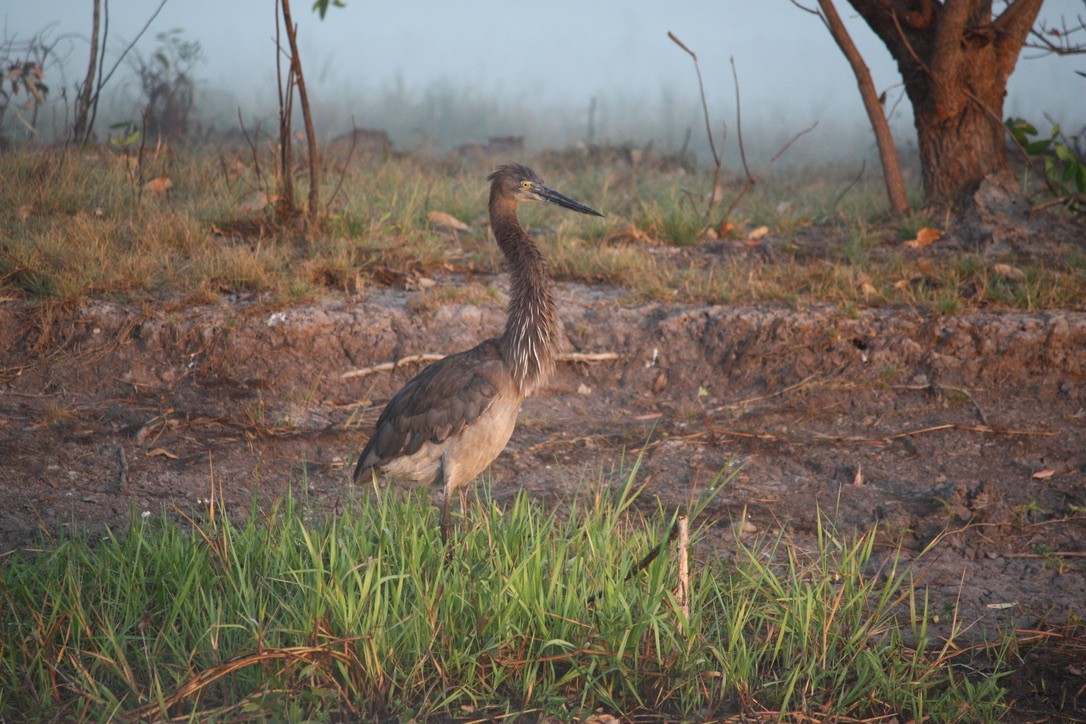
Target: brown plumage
(452,419)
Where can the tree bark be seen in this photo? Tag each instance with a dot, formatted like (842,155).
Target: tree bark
(891,168)
(955,58)
(81,131)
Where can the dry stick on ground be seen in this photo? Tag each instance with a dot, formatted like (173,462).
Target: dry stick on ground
(433,357)
(291,654)
(759,398)
(682,593)
(932,386)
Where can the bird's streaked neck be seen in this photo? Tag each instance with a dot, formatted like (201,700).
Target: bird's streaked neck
(530,340)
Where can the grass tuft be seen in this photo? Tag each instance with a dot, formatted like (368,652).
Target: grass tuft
(284,616)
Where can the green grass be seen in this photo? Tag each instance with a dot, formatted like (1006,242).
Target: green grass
(284,614)
(78,226)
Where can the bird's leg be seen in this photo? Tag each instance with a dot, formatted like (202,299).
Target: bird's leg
(445,504)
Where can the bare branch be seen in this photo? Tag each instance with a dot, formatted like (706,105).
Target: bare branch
(752,181)
(708,125)
(895,183)
(739,123)
(103,78)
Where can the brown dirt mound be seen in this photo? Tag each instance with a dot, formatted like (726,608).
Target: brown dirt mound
(966,431)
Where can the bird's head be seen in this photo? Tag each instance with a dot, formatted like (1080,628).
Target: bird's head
(516,182)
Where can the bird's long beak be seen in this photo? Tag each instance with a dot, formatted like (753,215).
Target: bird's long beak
(546,193)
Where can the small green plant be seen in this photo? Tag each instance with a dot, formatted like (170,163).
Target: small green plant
(1064,168)
(124,134)
(948,303)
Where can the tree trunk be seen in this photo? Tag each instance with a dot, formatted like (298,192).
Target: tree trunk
(891,167)
(81,131)
(955,58)
(961,142)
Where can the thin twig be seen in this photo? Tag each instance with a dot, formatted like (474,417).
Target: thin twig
(931,386)
(752,182)
(739,123)
(256,157)
(346,165)
(122,473)
(708,125)
(584,357)
(852,184)
(682,593)
(139,157)
(389,366)
(782,391)
(647,560)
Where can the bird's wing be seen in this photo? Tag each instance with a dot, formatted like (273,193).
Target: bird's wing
(437,403)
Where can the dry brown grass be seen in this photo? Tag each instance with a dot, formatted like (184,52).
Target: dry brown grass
(81,225)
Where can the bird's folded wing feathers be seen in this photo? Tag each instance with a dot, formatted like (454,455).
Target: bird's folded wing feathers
(437,403)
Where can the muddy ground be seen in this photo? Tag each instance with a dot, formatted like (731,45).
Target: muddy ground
(970,429)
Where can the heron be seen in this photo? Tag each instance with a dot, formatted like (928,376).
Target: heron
(452,419)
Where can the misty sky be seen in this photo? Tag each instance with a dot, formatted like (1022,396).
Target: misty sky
(549,59)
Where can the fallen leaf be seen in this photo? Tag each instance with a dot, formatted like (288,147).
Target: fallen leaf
(758,233)
(584,389)
(867,288)
(1042,474)
(440,218)
(858,478)
(1002,605)
(726,228)
(1009,272)
(159,452)
(602,719)
(924,237)
(745,527)
(158,185)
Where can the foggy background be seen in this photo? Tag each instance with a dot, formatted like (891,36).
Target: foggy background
(435,75)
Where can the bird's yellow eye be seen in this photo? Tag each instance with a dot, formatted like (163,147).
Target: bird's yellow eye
(526,184)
